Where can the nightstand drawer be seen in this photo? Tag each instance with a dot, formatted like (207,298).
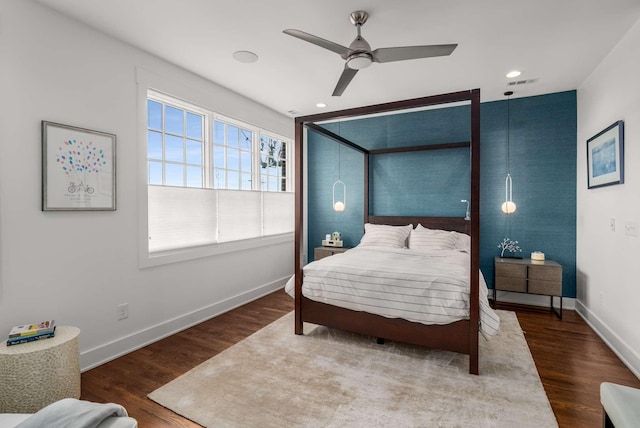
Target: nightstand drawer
(511,284)
(322,252)
(549,288)
(511,270)
(545,273)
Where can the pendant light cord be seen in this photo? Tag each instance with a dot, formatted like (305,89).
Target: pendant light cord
(339,162)
(508,134)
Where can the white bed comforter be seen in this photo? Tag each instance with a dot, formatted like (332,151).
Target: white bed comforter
(430,288)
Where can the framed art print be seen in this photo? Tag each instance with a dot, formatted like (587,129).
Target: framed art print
(78,169)
(605,157)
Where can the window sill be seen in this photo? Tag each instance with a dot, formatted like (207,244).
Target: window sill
(160,258)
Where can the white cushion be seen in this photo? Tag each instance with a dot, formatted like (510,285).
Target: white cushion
(10,420)
(622,404)
(381,235)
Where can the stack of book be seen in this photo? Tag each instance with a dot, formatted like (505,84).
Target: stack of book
(30,332)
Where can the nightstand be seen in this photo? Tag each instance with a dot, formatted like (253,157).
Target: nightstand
(322,252)
(528,276)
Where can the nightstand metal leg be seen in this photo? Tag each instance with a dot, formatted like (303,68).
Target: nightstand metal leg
(553,309)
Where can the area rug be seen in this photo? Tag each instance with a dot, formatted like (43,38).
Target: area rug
(329,378)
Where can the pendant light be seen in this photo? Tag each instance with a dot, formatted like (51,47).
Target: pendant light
(340,203)
(508,206)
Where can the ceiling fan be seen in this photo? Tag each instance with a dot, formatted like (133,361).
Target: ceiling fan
(359,54)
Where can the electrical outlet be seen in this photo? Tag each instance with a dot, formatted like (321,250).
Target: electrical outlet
(631,228)
(612,224)
(123,311)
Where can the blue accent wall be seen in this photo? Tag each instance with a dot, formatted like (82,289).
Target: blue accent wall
(543,136)
(329,161)
(543,132)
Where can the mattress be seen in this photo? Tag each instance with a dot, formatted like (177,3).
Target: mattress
(425,287)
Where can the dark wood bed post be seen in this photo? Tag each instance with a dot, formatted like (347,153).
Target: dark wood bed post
(366,187)
(299,215)
(474,305)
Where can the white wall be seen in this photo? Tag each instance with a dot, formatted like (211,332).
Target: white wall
(608,263)
(76,267)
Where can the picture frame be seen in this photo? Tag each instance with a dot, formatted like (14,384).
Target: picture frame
(78,169)
(605,157)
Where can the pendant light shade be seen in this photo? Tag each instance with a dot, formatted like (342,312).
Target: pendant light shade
(508,206)
(340,202)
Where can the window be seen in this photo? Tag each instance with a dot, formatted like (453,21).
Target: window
(232,156)
(273,164)
(178,147)
(175,145)
(212,179)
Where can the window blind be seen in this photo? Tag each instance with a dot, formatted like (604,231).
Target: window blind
(181,217)
(278,208)
(186,217)
(239,215)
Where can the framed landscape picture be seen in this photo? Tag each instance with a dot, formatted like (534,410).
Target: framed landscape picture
(78,169)
(605,157)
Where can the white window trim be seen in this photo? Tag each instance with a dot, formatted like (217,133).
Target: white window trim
(146,82)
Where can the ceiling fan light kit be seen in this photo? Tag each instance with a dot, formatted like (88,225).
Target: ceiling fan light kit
(358,61)
(359,54)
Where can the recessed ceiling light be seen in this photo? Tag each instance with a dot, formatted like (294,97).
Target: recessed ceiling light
(514,73)
(321,105)
(245,56)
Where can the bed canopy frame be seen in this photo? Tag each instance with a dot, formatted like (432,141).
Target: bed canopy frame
(460,336)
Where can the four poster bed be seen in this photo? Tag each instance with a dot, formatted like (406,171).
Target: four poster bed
(460,335)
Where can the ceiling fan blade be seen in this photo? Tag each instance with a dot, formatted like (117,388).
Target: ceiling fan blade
(343,51)
(345,78)
(411,52)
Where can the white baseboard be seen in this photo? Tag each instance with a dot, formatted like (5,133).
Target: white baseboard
(628,356)
(117,348)
(568,303)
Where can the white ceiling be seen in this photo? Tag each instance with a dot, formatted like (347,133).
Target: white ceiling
(557,43)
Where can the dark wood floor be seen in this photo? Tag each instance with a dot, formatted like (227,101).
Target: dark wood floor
(572,362)
(571,359)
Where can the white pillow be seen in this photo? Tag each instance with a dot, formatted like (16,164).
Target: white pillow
(381,235)
(423,239)
(463,241)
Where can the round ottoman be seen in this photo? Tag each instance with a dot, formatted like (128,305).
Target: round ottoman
(35,374)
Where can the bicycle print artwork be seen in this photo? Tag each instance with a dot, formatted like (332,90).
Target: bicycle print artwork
(78,168)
